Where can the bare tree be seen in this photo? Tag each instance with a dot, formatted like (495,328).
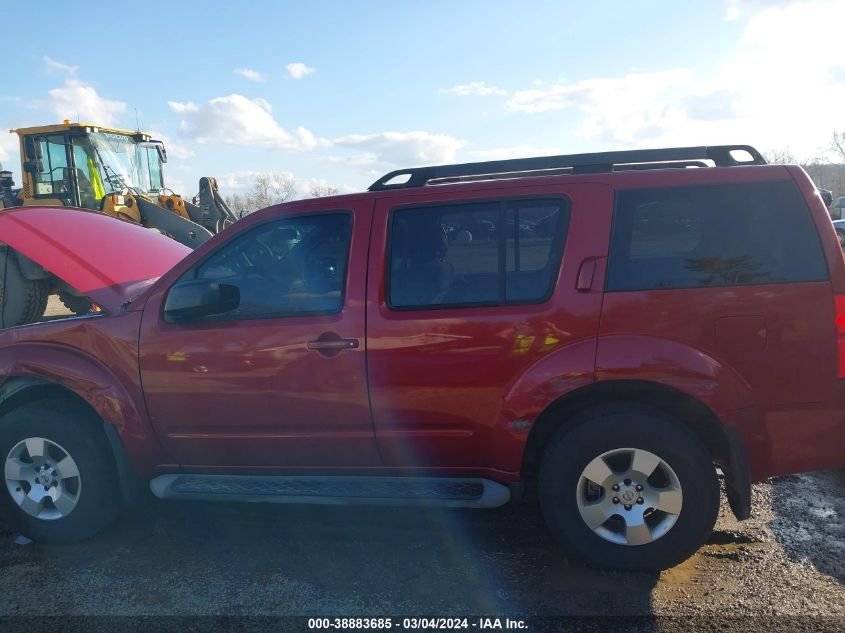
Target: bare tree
(322,190)
(780,157)
(837,146)
(267,190)
(270,189)
(239,203)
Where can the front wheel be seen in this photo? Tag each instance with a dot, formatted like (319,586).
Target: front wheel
(59,479)
(626,487)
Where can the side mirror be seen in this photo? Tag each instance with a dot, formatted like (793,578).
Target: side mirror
(31,149)
(197,298)
(35,166)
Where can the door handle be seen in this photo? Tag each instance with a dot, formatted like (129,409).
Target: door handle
(331,344)
(344,343)
(585,275)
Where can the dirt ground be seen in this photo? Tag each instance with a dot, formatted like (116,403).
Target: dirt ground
(171,558)
(55,308)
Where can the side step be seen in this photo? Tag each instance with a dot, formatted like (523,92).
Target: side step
(363,490)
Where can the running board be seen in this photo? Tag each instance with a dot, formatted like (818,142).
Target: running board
(427,491)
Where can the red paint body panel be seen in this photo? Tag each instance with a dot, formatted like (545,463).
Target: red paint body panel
(250,394)
(453,391)
(107,259)
(97,359)
(446,384)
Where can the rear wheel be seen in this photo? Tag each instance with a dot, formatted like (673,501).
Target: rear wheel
(22,300)
(59,479)
(626,487)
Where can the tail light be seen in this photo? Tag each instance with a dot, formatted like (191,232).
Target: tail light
(840,333)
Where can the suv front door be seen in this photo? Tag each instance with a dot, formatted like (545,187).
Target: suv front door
(279,382)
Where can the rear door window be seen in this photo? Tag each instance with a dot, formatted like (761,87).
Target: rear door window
(724,235)
(480,253)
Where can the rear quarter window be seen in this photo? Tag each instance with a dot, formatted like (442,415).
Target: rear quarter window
(715,235)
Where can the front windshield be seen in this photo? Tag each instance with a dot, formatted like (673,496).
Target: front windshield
(124,163)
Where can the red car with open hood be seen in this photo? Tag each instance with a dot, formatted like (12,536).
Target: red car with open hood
(605,329)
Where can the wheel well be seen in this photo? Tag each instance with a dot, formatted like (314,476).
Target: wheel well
(17,392)
(691,412)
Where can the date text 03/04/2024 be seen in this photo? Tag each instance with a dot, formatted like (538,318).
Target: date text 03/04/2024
(480,623)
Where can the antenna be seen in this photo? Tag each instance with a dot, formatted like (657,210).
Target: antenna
(137,121)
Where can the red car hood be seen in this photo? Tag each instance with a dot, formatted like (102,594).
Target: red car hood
(106,259)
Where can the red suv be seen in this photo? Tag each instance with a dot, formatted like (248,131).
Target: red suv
(608,328)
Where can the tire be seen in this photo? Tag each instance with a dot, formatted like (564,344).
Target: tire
(87,502)
(606,435)
(21,300)
(77,305)
(841,236)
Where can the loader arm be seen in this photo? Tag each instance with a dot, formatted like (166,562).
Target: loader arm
(209,208)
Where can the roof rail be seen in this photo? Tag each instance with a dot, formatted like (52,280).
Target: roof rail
(670,157)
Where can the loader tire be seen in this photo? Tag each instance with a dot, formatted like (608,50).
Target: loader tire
(22,300)
(77,305)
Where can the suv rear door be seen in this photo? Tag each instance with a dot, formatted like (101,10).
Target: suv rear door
(449,333)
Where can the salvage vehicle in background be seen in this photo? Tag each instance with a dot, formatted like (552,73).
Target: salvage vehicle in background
(837,207)
(605,328)
(839,225)
(116,172)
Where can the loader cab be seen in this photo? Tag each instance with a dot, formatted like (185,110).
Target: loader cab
(79,165)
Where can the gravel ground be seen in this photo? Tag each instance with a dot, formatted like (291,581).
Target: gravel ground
(172,558)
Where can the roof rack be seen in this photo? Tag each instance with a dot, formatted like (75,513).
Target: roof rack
(601,162)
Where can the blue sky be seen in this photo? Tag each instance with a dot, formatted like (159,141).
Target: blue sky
(340,92)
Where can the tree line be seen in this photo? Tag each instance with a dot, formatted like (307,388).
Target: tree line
(827,169)
(273,188)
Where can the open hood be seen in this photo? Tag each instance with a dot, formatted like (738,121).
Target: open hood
(102,257)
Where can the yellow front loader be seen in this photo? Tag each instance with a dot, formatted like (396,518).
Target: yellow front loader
(113,171)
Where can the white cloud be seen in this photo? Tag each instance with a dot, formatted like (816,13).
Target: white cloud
(298,70)
(79,100)
(8,149)
(737,9)
(252,75)
(476,88)
(174,150)
(405,149)
(517,151)
(780,86)
(365,159)
(240,180)
(237,120)
(622,110)
(53,66)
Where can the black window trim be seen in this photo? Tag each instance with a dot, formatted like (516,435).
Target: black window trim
(613,228)
(222,318)
(502,205)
